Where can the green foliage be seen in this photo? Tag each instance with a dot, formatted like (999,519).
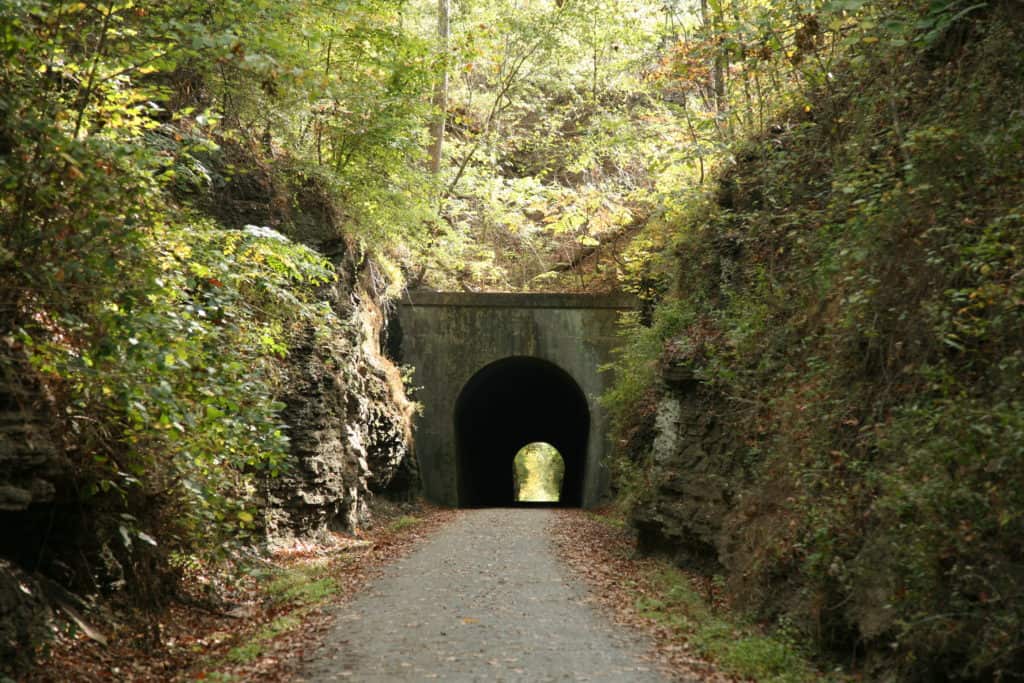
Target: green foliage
(849,295)
(157,334)
(177,393)
(554,144)
(737,648)
(948,531)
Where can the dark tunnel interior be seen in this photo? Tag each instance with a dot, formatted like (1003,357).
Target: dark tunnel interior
(506,405)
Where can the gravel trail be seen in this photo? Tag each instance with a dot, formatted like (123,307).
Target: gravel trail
(484,599)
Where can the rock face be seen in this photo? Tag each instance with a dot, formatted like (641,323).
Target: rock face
(349,425)
(34,471)
(25,616)
(31,469)
(30,463)
(690,470)
(347,414)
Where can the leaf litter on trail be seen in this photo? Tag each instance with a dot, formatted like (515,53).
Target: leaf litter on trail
(604,555)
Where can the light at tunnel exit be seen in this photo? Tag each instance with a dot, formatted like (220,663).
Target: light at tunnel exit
(539,470)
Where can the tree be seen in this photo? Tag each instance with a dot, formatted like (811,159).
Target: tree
(157,333)
(440,88)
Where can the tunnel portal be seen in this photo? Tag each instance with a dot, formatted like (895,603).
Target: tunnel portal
(495,372)
(507,405)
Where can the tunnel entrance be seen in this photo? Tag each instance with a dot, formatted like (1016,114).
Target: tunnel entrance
(507,405)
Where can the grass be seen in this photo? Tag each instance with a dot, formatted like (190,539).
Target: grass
(302,585)
(254,648)
(299,590)
(736,646)
(403,522)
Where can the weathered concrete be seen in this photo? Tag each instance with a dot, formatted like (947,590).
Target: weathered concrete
(531,348)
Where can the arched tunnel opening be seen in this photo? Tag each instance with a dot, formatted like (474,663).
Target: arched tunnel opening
(507,405)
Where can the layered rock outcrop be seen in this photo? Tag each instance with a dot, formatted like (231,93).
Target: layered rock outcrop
(30,463)
(349,423)
(691,473)
(348,418)
(25,615)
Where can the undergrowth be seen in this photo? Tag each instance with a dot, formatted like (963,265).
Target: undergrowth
(737,647)
(303,585)
(850,296)
(403,522)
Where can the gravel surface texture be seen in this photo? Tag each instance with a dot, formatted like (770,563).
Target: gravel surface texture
(484,599)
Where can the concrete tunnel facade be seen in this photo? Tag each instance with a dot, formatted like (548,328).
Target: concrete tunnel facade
(499,371)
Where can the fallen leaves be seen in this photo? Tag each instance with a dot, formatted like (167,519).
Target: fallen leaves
(254,638)
(603,554)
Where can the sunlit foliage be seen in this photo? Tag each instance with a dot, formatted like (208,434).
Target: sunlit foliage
(156,334)
(555,143)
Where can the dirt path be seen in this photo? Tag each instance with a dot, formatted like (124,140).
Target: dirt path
(485,599)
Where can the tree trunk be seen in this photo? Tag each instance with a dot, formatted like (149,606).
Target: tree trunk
(441,89)
(713,26)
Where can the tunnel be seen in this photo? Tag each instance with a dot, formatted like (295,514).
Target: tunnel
(507,405)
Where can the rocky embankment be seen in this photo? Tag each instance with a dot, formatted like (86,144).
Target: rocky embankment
(345,413)
(691,473)
(350,423)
